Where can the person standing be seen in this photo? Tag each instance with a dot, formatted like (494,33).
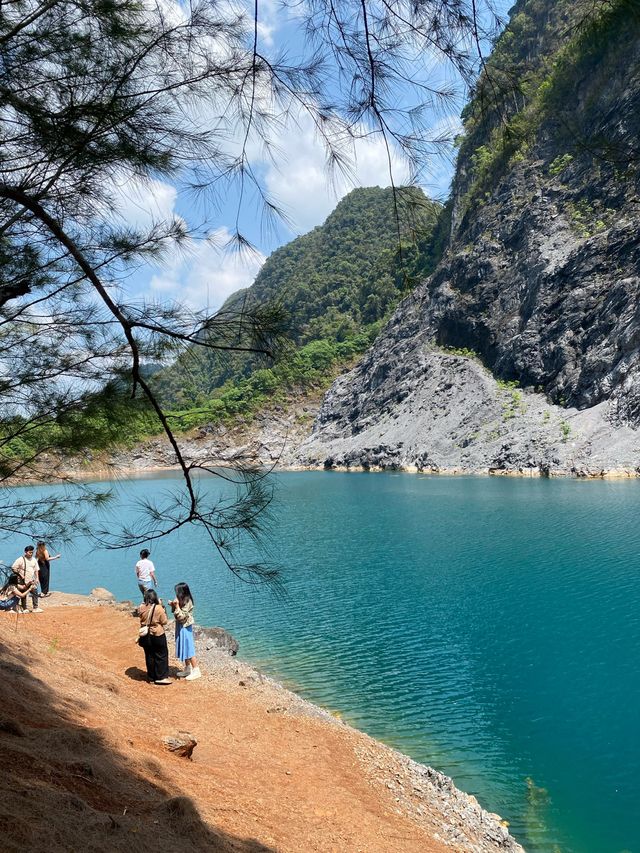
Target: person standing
(156,654)
(145,572)
(182,607)
(44,559)
(26,567)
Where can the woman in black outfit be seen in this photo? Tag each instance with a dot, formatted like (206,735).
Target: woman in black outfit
(44,559)
(156,653)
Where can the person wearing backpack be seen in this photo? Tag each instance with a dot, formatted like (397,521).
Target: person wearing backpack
(26,567)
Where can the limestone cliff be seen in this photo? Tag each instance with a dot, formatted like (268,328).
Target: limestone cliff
(521,350)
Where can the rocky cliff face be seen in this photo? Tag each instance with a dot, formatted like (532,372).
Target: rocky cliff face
(540,285)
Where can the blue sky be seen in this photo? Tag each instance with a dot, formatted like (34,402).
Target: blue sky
(206,274)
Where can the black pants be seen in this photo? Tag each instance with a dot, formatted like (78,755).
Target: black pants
(43,572)
(156,656)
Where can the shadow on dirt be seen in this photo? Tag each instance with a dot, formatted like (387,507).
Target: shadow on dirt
(136,674)
(63,788)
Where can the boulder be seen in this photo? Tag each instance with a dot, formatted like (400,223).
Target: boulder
(182,743)
(218,638)
(102,594)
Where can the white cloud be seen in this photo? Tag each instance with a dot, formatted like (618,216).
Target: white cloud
(299,184)
(302,185)
(207,274)
(271,16)
(141,204)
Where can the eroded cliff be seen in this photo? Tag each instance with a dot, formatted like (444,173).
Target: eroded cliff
(521,350)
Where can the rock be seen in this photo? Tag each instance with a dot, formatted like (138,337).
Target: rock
(540,280)
(182,744)
(102,594)
(217,638)
(457,417)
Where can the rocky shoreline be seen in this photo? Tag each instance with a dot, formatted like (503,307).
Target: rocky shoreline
(427,796)
(433,412)
(439,412)
(423,410)
(418,789)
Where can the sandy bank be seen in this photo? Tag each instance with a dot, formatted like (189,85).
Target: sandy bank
(85,769)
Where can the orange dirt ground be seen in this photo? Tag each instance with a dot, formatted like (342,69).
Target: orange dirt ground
(84,768)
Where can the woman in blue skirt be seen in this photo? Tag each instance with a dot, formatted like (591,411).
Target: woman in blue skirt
(182,606)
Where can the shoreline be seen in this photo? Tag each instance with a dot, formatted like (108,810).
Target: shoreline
(421,796)
(120,473)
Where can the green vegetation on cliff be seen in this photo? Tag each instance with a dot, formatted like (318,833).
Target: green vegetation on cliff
(540,277)
(548,70)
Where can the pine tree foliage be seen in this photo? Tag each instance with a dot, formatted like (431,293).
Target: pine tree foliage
(97,95)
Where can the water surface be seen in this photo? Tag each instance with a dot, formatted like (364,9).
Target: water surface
(488,627)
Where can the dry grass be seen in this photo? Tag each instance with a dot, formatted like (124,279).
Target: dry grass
(102,682)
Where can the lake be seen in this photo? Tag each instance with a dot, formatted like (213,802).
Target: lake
(489,627)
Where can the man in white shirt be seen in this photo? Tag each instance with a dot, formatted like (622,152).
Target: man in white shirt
(27,569)
(145,572)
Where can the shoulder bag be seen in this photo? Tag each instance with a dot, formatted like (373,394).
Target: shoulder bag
(143,632)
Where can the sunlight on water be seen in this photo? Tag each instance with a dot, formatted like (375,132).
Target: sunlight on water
(489,627)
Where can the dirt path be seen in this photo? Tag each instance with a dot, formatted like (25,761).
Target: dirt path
(81,734)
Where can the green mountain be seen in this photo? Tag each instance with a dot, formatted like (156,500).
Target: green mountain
(336,284)
(347,273)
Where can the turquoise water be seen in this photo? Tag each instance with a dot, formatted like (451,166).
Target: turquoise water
(489,627)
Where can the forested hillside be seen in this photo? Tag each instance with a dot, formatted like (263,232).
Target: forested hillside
(347,274)
(336,284)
